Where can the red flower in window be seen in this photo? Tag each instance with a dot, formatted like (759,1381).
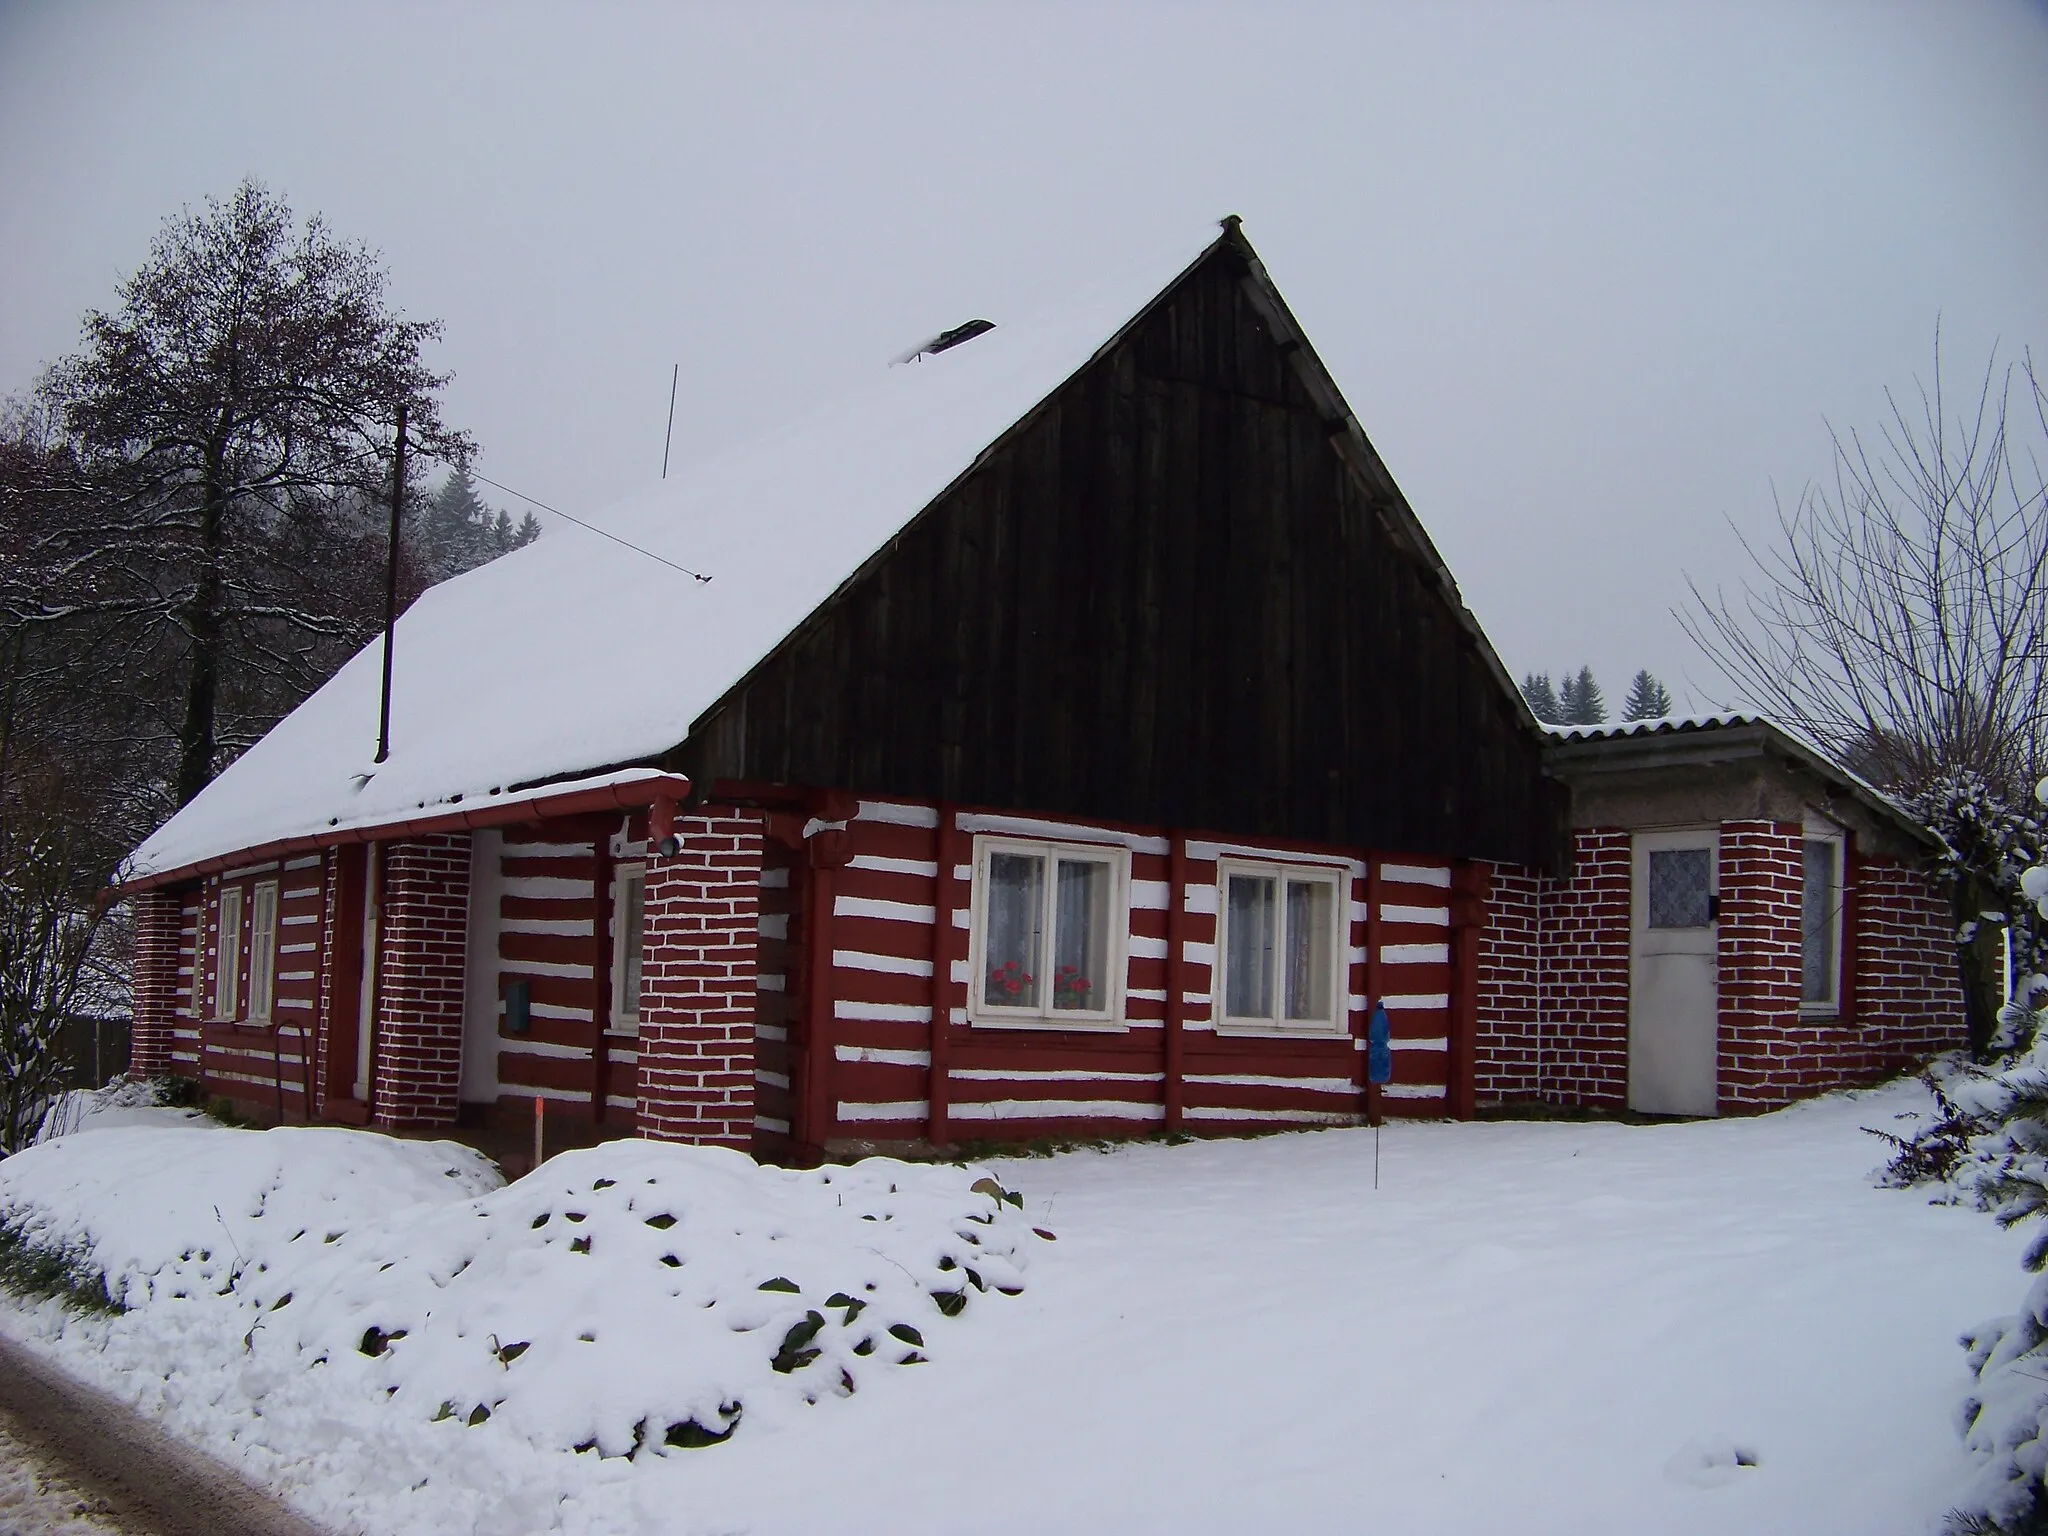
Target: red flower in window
(1007,983)
(1070,988)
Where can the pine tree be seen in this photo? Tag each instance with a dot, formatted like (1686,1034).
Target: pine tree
(457,531)
(1542,698)
(1647,699)
(1581,700)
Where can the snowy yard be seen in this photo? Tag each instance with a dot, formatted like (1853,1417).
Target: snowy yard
(1538,1327)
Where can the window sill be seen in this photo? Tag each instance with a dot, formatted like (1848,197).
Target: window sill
(1259,1032)
(1052,1026)
(1820,1013)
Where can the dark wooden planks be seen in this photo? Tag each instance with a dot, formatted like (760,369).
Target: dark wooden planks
(1164,599)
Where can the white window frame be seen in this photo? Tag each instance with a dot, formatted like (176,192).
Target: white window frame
(262,952)
(1110,1016)
(1277,1026)
(1831,1006)
(227,955)
(624,1020)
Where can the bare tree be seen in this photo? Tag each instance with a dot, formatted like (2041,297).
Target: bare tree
(1901,620)
(57,961)
(224,432)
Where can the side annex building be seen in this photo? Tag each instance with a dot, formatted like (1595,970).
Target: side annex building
(1078,735)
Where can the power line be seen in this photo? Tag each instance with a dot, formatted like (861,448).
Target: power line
(566,517)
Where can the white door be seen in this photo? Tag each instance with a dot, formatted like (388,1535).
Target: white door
(1673,1022)
(480,984)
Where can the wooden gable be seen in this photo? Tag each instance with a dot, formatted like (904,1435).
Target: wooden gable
(1182,593)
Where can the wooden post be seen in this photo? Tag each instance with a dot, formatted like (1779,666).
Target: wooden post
(946,948)
(391,587)
(601,973)
(309,1031)
(345,985)
(815,1105)
(1375,973)
(1176,983)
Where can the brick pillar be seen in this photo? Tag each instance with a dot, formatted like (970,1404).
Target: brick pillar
(1762,879)
(155,980)
(1509,1018)
(423,956)
(697,984)
(1583,986)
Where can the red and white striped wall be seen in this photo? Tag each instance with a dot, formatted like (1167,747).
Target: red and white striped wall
(896,959)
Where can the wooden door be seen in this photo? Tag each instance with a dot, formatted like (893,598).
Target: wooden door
(1674,971)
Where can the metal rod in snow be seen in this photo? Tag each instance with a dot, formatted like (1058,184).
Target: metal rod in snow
(669,435)
(391,587)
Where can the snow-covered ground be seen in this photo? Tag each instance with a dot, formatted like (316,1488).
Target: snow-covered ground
(1540,1327)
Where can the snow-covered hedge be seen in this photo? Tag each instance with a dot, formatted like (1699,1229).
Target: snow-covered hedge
(1992,1141)
(632,1296)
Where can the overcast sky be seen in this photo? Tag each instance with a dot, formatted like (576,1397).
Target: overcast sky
(1594,278)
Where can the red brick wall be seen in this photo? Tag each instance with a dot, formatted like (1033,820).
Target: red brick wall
(1902,999)
(696,1068)
(1908,999)
(424,952)
(158,919)
(1767,1056)
(1505,1063)
(1583,992)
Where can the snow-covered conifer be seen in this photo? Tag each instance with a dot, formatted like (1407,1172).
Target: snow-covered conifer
(1647,699)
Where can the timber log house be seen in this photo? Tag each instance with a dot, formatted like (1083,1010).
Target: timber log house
(1078,735)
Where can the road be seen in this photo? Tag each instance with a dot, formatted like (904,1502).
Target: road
(75,1462)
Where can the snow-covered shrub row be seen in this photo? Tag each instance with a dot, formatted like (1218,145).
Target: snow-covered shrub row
(181,1212)
(633,1295)
(2004,1166)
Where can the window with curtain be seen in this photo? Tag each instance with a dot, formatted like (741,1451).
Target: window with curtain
(1280,950)
(262,951)
(1820,926)
(629,937)
(1048,936)
(227,958)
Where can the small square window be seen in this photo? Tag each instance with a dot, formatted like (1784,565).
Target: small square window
(1681,891)
(1048,936)
(1280,950)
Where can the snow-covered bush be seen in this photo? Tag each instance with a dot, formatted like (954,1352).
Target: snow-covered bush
(630,1297)
(2005,1419)
(1987,849)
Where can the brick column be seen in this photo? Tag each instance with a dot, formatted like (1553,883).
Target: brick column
(1583,952)
(155,981)
(697,984)
(1509,1018)
(423,957)
(1762,880)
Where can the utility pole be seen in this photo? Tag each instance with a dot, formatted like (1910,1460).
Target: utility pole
(675,374)
(391,586)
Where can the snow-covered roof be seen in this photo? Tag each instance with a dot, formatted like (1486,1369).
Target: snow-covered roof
(1658,725)
(577,654)
(1801,745)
